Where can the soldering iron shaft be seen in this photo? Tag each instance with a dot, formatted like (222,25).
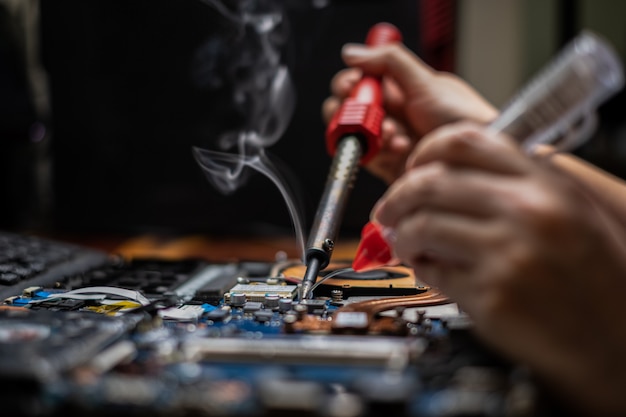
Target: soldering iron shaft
(330,211)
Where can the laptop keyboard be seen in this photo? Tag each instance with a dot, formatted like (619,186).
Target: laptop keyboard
(27,261)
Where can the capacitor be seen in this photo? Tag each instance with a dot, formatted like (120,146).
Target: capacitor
(237,299)
(285,304)
(271,301)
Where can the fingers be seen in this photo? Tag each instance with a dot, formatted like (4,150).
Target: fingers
(404,73)
(341,85)
(396,144)
(439,236)
(344,81)
(394,60)
(329,107)
(438,187)
(436,244)
(470,145)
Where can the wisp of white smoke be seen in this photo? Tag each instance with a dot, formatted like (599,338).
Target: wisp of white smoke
(261,87)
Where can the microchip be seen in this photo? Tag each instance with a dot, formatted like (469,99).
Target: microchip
(263,316)
(252,306)
(257,291)
(218,315)
(314,305)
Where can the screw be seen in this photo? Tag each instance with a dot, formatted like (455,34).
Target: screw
(336,296)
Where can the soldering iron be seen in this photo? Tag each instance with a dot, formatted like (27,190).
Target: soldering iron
(353,137)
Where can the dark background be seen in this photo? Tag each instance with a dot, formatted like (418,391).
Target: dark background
(126,114)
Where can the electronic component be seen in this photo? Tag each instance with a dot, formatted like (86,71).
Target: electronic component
(338,276)
(352,356)
(42,344)
(319,350)
(258,292)
(246,346)
(314,306)
(252,306)
(210,284)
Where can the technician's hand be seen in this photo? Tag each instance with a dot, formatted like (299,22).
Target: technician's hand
(524,251)
(417,100)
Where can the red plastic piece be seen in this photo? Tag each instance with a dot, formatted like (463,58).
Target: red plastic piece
(373,251)
(362,112)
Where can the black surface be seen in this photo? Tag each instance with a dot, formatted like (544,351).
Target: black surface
(127,112)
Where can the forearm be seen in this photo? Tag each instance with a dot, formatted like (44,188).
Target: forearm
(608,190)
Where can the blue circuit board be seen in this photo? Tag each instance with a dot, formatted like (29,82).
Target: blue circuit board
(223,342)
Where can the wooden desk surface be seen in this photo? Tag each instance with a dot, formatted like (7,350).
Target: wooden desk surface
(208,247)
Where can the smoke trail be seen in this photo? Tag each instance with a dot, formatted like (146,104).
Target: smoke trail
(247,62)
(224,170)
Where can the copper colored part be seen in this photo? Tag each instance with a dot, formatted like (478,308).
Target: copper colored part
(373,307)
(13,308)
(311,324)
(428,296)
(431,297)
(386,325)
(293,271)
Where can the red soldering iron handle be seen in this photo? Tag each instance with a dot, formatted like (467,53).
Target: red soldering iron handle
(362,113)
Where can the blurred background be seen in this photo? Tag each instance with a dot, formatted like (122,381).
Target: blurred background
(102,101)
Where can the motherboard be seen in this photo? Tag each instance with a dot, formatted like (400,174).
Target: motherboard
(189,337)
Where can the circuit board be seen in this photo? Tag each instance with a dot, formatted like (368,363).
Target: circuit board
(178,338)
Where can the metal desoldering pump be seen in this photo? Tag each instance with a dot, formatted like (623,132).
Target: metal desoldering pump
(353,137)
